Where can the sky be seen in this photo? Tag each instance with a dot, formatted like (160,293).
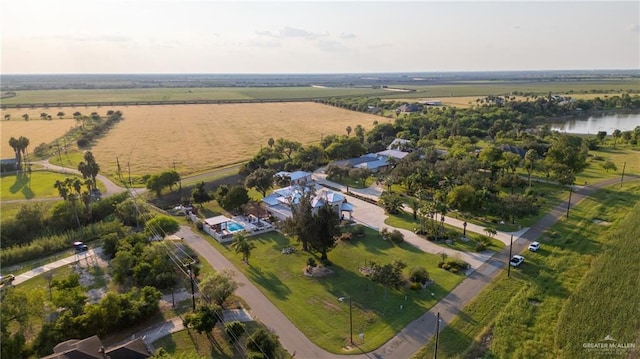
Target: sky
(207,36)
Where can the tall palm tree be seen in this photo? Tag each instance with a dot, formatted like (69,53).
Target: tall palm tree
(15,144)
(242,245)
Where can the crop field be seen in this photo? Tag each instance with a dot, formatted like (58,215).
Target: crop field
(36,130)
(201,137)
(183,94)
(504,87)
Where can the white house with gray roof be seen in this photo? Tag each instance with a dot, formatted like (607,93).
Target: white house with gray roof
(279,202)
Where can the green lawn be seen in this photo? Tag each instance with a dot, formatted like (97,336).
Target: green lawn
(312,303)
(518,317)
(405,220)
(38,184)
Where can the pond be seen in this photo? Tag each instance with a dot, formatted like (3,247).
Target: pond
(593,124)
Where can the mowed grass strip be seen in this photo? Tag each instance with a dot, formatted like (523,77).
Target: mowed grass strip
(517,317)
(36,130)
(312,303)
(150,139)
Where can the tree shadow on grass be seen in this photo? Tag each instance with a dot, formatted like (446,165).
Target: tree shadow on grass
(270,282)
(22,180)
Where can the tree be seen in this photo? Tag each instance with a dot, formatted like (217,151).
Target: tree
(200,195)
(418,275)
(7,117)
(260,179)
(389,275)
(264,342)
(530,159)
(89,169)
(161,225)
(43,116)
(566,157)
(19,146)
(154,183)
(326,228)
(616,134)
(601,136)
(300,224)
(463,198)
(60,114)
(287,147)
(204,319)
(609,165)
(359,132)
(132,213)
(490,231)
(234,199)
(391,202)
(348,129)
(517,206)
(158,182)
(270,142)
(25,117)
(242,245)
(218,286)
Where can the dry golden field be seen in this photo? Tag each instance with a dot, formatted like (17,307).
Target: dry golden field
(36,130)
(201,137)
(470,101)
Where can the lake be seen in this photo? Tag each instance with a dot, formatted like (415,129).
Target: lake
(593,124)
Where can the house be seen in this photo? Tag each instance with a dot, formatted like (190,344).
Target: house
(280,201)
(296,178)
(513,149)
(373,162)
(92,348)
(399,144)
(8,164)
(409,107)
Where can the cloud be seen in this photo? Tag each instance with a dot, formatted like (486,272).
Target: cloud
(331,46)
(264,44)
(291,32)
(634,27)
(94,38)
(347,36)
(379,46)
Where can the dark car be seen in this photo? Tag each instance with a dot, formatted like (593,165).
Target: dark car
(80,247)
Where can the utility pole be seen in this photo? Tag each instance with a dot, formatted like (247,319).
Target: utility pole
(569,202)
(129,169)
(509,259)
(193,296)
(350,323)
(435,353)
(624,166)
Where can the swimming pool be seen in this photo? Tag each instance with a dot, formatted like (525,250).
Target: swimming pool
(234,227)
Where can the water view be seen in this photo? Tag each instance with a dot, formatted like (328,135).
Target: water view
(593,124)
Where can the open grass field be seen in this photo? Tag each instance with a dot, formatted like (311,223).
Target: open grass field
(36,130)
(201,137)
(578,288)
(184,94)
(484,88)
(38,184)
(312,303)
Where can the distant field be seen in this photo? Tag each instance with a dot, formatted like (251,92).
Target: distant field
(504,87)
(183,94)
(469,101)
(36,130)
(200,137)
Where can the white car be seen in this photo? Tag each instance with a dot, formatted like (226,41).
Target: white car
(516,260)
(533,247)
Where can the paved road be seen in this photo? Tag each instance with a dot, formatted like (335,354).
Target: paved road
(82,256)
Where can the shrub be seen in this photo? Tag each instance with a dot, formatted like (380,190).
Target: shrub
(358,230)
(415,286)
(311,262)
(396,237)
(480,247)
(234,330)
(418,275)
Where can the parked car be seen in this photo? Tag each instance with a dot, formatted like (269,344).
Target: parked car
(533,247)
(6,279)
(516,260)
(80,247)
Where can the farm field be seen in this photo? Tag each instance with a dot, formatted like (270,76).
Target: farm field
(470,101)
(505,87)
(183,94)
(36,130)
(201,137)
